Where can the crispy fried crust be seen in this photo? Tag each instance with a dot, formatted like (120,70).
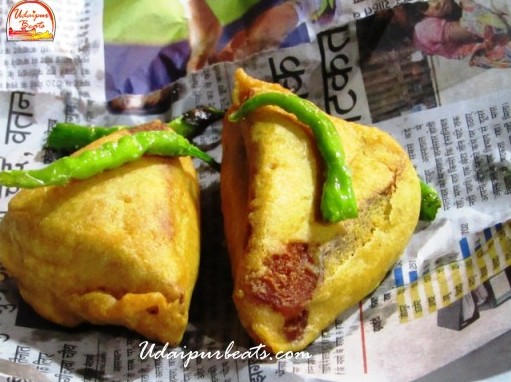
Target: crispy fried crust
(293,273)
(121,248)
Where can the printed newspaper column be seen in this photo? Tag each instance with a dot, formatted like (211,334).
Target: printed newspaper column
(343,90)
(20,118)
(464,153)
(337,66)
(18,132)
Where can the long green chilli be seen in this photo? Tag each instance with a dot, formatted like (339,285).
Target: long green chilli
(338,198)
(69,137)
(108,156)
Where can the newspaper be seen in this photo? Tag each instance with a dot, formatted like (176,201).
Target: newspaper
(450,292)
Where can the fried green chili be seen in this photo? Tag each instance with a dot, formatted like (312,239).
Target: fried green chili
(108,156)
(68,137)
(194,121)
(338,198)
(430,202)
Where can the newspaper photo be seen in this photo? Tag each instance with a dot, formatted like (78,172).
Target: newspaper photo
(437,80)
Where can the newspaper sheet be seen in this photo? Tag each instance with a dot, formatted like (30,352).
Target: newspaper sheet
(450,292)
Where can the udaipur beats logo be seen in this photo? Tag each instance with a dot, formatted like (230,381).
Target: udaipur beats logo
(30,20)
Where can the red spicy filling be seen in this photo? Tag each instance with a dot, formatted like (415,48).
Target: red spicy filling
(287,285)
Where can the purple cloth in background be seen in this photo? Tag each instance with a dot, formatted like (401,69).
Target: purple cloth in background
(141,69)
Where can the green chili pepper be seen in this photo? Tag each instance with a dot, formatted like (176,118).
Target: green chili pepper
(430,202)
(338,198)
(108,156)
(69,137)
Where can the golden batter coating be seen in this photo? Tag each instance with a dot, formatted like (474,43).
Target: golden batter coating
(120,248)
(293,273)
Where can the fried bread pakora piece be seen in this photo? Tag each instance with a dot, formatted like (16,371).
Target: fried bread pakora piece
(120,248)
(293,272)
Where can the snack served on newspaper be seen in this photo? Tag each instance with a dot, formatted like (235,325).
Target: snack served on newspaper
(117,247)
(296,264)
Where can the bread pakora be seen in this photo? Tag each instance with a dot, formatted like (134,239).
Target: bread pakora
(120,248)
(293,272)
